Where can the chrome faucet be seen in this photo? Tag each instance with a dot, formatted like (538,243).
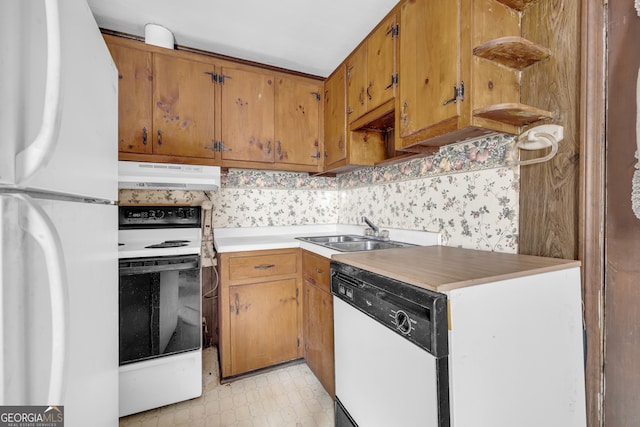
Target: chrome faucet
(375,229)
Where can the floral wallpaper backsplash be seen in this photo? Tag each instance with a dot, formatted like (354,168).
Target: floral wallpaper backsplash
(477,210)
(260,207)
(467,192)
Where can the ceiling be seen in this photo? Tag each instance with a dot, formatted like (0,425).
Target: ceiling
(309,36)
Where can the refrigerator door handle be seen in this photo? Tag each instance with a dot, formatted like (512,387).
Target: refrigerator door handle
(35,222)
(39,152)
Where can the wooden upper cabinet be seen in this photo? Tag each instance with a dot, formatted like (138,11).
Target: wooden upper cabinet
(166,104)
(357,83)
(429,64)
(269,120)
(335,144)
(247,113)
(297,122)
(461,69)
(371,71)
(381,63)
(183,109)
(135,88)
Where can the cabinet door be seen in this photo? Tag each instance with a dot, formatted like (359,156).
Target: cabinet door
(357,88)
(316,270)
(335,118)
(318,329)
(263,324)
(183,111)
(429,52)
(134,98)
(381,64)
(247,113)
(297,122)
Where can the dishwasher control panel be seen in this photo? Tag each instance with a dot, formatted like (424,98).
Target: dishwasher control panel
(415,313)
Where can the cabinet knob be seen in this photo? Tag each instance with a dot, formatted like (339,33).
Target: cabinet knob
(159,137)
(144,136)
(369,91)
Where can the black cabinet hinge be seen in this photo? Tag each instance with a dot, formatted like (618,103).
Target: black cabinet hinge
(214,76)
(394,30)
(217,78)
(222,78)
(458,94)
(317,95)
(394,81)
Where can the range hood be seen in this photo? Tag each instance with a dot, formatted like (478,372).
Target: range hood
(167,176)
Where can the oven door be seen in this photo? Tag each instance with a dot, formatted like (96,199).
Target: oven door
(160,307)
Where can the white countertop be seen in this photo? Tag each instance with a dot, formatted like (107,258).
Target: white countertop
(262,238)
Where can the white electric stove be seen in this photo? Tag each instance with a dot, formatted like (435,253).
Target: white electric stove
(160,315)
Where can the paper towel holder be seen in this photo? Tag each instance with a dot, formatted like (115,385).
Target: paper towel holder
(158,35)
(538,138)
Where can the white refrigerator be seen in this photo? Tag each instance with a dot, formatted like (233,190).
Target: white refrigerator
(58,215)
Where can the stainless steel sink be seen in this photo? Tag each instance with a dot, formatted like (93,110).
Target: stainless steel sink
(334,239)
(353,243)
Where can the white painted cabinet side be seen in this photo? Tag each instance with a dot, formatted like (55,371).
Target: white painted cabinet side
(516,352)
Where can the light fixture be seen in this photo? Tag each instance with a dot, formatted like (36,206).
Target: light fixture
(158,35)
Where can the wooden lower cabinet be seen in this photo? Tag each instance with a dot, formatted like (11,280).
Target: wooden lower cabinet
(318,331)
(263,324)
(318,319)
(275,306)
(260,312)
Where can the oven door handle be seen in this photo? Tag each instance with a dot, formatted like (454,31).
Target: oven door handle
(175,264)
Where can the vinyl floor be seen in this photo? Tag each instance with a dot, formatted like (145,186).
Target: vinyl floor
(289,396)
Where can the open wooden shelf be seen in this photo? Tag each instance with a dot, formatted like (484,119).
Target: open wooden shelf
(514,52)
(516,4)
(512,113)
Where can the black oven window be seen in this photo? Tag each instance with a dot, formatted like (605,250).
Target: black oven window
(159,314)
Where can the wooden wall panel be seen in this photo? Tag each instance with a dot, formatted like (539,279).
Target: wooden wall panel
(549,191)
(592,183)
(622,278)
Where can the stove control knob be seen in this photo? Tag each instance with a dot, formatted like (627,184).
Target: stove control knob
(403,322)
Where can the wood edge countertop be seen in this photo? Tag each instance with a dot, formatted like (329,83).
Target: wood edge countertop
(444,268)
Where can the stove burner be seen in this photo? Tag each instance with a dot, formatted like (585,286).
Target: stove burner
(168,244)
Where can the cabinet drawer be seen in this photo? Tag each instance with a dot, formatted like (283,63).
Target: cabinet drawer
(255,266)
(315,270)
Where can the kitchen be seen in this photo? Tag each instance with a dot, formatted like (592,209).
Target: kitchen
(480,206)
